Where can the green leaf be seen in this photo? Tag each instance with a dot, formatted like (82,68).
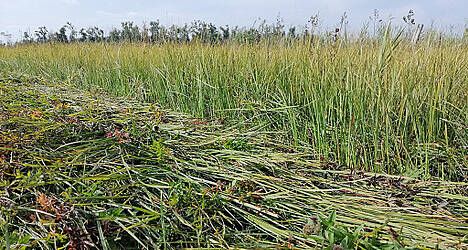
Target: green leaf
(332,218)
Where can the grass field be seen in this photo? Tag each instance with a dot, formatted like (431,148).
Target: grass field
(383,108)
(358,144)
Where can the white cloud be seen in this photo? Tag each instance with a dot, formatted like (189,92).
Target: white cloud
(105,13)
(132,14)
(71,2)
(117,15)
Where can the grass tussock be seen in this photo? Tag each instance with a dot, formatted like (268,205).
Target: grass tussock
(383,106)
(81,169)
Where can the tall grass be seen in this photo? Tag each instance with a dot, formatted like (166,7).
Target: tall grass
(384,106)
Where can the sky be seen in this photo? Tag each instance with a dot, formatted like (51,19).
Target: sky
(18,16)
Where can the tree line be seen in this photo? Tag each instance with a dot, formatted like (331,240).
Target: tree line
(157,33)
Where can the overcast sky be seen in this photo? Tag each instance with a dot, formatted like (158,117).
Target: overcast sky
(17,16)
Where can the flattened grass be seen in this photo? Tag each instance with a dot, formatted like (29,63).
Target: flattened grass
(83,169)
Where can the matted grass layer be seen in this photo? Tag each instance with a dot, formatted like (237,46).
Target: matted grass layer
(82,169)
